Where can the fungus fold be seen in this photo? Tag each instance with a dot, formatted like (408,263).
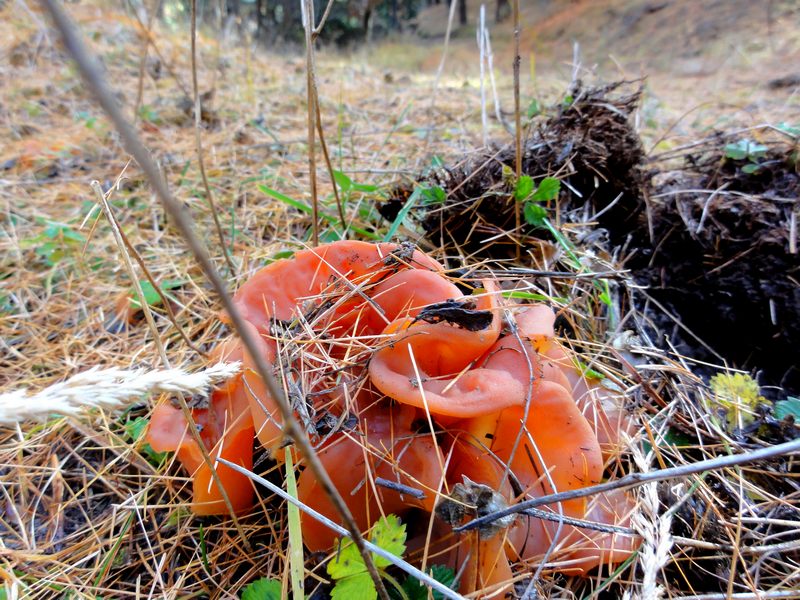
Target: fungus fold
(397,375)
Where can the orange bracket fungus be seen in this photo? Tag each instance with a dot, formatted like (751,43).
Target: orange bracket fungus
(398,375)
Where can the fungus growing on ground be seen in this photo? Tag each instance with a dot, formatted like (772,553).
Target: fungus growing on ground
(396,374)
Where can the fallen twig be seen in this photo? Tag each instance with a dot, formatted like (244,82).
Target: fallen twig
(636,479)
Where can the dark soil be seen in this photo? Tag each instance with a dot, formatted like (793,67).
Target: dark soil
(721,264)
(724,262)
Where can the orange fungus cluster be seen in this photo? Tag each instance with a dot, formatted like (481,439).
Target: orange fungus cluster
(399,375)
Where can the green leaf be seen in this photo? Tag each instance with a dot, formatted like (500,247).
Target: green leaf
(135,430)
(390,534)
(548,190)
(354,587)
(416,591)
(736,151)
(348,568)
(745,149)
(281,255)
(286,200)
(147,113)
(523,295)
(523,188)
(433,195)
(402,213)
(346,184)
(329,235)
(343,181)
(587,371)
(366,188)
(262,589)
(535,214)
(750,168)
(757,151)
(534,109)
(151,295)
(204,548)
(347,561)
(790,406)
(793,130)
(61,231)
(307,209)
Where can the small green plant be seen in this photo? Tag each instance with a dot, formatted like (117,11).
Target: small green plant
(333,221)
(746,150)
(56,243)
(414,590)
(88,119)
(788,407)
(347,185)
(135,430)
(534,109)
(262,589)
(433,194)
(788,129)
(149,114)
(151,295)
(526,191)
(348,570)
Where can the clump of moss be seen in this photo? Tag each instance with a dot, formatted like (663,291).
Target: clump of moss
(736,397)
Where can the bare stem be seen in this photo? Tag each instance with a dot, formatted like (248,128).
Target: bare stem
(308,25)
(328,164)
(199,143)
(637,479)
(517,121)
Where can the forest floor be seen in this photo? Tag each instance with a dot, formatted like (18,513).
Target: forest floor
(71,487)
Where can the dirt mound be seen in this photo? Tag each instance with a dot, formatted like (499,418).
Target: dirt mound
(587,143)
(724,256)
(711,246)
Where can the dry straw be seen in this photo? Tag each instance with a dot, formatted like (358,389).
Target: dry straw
(654,528)
(112,389)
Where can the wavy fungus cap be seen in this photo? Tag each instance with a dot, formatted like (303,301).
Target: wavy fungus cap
(374,344)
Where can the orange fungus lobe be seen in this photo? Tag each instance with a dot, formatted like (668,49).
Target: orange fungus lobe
(372,344)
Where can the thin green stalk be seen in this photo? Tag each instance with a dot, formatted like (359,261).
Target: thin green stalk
(295,533)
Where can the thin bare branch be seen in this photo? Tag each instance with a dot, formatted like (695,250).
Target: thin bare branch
(199,144)
(325,14)
(328,164)
(636,479)
(517,122)
(307,7)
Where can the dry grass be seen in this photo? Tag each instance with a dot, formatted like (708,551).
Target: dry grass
(89,512)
